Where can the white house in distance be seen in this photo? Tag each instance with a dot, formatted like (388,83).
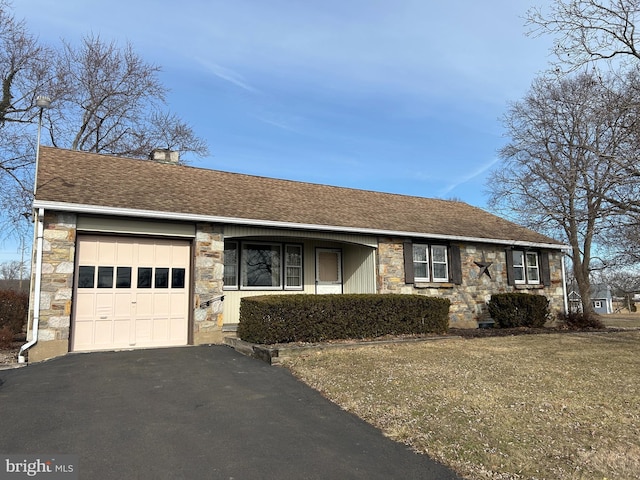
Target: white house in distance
(147,253)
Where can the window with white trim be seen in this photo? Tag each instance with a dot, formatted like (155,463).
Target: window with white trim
(262,266)
(430,263)
(526,267)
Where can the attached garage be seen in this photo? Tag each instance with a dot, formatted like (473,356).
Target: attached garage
(130,292)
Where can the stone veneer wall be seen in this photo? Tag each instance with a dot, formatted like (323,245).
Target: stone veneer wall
(208,279)
(58,256)
(469,300)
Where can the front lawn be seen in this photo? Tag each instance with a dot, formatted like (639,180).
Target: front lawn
(556,406)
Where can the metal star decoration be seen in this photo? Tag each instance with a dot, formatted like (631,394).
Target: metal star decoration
(484,267)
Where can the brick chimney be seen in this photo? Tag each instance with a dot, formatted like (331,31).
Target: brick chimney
(164,155)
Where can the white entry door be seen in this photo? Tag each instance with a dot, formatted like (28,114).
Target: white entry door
(130,293)
(328,270)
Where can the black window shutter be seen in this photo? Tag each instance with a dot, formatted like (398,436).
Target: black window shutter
(456,264)
(408,262)
(545,270)
(509,257)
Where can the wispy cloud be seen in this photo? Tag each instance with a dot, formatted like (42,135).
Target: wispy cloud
(467,178)
(227,74)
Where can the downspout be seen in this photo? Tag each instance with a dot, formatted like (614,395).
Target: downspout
(564,286)
(38,233)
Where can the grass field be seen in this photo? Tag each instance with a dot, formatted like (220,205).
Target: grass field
(553,406)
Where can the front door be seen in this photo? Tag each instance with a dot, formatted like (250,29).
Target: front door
(328,270)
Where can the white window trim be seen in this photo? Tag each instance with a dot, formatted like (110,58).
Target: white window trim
(537,267)
(240,267)
(286,266)
(445,263)
(243,271)
(524,267)
(236,285)
(429,261)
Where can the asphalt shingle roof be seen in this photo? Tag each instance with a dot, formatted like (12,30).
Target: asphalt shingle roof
(103,181)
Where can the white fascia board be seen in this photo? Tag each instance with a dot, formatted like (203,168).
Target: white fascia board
(190,217)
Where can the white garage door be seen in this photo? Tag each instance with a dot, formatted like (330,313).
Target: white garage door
(130,293)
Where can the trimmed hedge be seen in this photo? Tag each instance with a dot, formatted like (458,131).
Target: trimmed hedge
(314,318)
(14,307)
(510,310)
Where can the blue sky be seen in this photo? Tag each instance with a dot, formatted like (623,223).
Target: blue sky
(401,96)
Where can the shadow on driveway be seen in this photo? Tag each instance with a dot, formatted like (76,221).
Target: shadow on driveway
(203,412)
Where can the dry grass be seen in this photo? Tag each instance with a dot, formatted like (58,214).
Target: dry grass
(624,320)
(558,406)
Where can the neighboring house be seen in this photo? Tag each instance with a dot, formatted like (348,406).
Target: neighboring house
(601,298)
(132,253)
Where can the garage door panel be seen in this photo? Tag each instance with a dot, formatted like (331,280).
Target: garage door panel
(121,332)
(178,304)
(88,255)
(122,305)
(142,327)
(176,331)
(107,253)
(161,329)
(125,253)
(130,314)
(103,332)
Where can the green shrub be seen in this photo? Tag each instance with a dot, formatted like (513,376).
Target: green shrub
(580,321)
(313,318)
(14,307)
(510,310)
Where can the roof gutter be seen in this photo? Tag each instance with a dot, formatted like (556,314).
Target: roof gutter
(38,233)
(132,212)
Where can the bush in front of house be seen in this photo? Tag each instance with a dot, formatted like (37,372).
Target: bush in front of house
(14,307)
(511,310)
(272,319)
(580,321)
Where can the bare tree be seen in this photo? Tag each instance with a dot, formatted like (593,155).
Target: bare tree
(560,163)
(23,74)
(105,99)
(589,30)
(11,270)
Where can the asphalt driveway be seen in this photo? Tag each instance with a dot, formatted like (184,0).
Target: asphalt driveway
(191,413)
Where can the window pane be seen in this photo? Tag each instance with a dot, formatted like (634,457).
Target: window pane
(261,265)
(162,278)
(533,275)
(293,265)
(440,271)
(420,270)
(293,277)
(419,253)
(105,277)
(86,277)
(144,277)
(177,277)
(440,263)
(230,264)
(420,262)
(518,274)
(123,277)
(439,254)
(518,266)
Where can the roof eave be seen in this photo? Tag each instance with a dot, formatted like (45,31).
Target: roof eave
(190,217)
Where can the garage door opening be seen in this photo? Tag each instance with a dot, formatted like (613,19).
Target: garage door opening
(130,293)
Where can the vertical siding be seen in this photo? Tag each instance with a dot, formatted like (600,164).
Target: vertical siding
(359,274)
